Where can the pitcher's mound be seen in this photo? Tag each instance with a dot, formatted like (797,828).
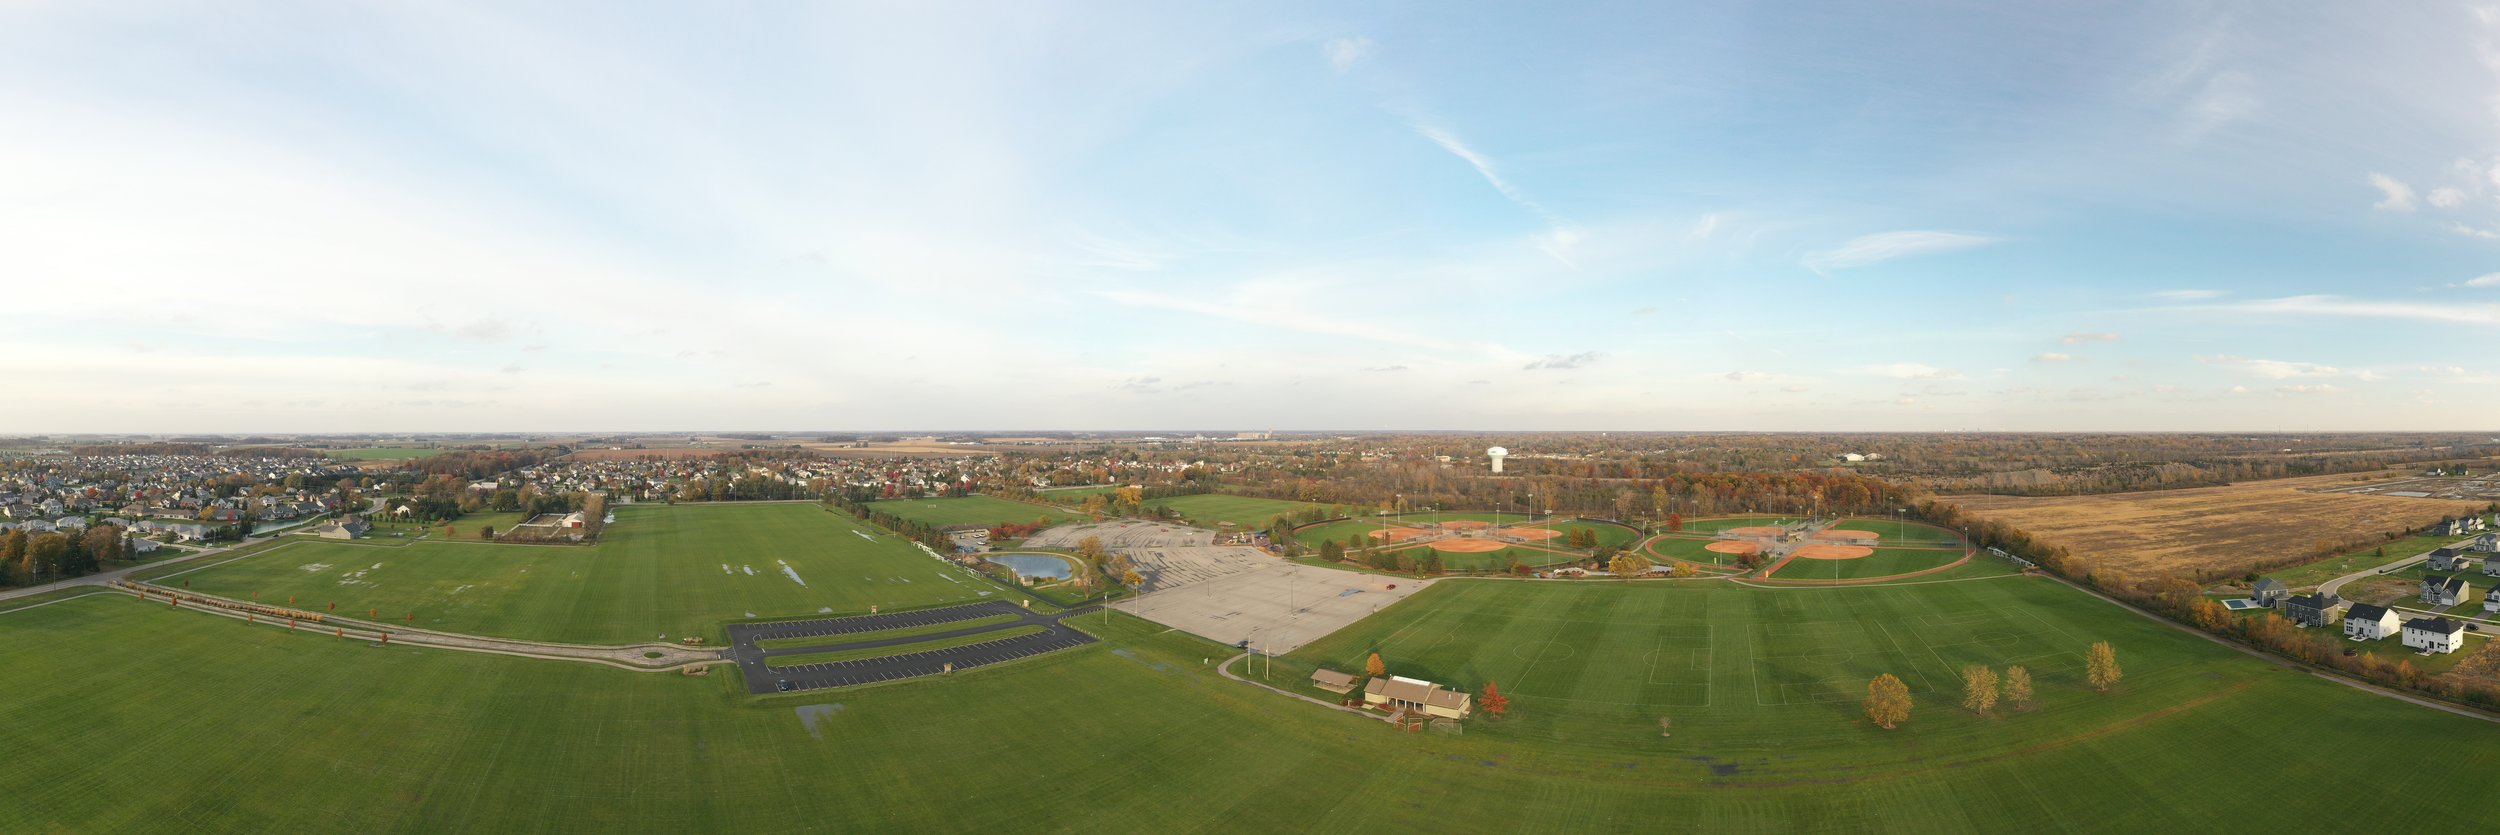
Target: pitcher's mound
(1737,548)
(1468,545)
(1831,552)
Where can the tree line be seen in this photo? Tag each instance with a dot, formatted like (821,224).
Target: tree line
(34,559)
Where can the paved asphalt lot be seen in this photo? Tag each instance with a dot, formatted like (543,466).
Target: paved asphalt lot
(764,679)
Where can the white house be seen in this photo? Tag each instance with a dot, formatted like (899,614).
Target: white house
(2365,622)
(2434,634)
(2491,600)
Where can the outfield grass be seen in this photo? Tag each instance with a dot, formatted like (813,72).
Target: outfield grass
(1681,548)
(1495,517)
(1339,531)
(224,727)
(1717,524)
(1245,512)
(882,634)
(1902,532)
(898,649)
(659,571)
(1476,561)
(1885,562)
(1608,534)
(972,510)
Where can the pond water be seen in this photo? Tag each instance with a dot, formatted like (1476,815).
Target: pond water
(1036,566)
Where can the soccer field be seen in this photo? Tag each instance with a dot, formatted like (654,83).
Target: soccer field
(659,571)
(224,727)
(1246,512)
(971,510)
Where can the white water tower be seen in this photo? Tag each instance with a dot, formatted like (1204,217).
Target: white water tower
(1496,453)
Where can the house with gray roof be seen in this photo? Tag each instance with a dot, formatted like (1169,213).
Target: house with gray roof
(2444,591)
(2270,592)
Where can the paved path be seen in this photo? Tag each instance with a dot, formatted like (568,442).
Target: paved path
(2331,586)
(1226,669)
(648,657)
(761,677)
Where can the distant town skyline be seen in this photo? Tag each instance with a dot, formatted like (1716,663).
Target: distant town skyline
(436,218)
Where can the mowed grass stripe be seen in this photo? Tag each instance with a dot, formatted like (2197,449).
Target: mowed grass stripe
(901,649)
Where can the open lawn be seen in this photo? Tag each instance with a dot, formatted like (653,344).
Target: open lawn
(1902,532)
(971,510)
(1481,560)
(224,727)
(2217,529)
(1608,534)
(659,571)
(1344,529)
(2305,577)
(1680,547)
(1246,512)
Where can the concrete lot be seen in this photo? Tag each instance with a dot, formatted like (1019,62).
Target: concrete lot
(1278,606)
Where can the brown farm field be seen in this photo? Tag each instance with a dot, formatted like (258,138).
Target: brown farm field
(2213,530)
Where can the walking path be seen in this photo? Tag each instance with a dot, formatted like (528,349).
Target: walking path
(646,657)
(1226,669)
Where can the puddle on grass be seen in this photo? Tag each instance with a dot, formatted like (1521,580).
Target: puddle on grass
(809,715)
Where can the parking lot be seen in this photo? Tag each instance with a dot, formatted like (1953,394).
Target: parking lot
(761,677)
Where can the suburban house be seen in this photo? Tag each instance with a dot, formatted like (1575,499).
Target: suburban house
(2491,565)
(2443,590)
(2434,634)
(2314,609)
(2450,559)
(2491,600)
(2270,592)
(2460,526)
(2369,623)
(348,528)
(1333,681)
(144,546)
(1416,695)
(2487,542)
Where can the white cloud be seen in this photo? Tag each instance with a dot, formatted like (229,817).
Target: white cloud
(2054,357)
(1746,376)
(1562,362)
(2305,388)
(1885,246)
(2239,389)
(1344,53)
(2485,280)
(2186,295)
(2080,338)
(1273,316)
(2447,197)
(2395,196)
(2318,305)
(2271,369)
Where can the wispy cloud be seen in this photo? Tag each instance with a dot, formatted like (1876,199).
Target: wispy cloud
(2080,338)
(2485,280)
(2186,295)
(1561,235)
(1344,53)
(1271,317)
(1561,362)
(2271,369)
(2054,357)
(1909,371)
(1885,246)
(2320,305)
(2394,195)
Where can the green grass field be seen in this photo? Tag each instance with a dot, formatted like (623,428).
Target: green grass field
(384,453)
(1885,562)
(1245,512)
(215,726)
(1903,532)
(1475,561)
(1725,522)
(899,649)
(658,571)
(1608,534)
(971,510)
(1341,530)
(1495,517)
(1686,549)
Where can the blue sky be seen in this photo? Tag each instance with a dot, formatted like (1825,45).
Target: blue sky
(411,217)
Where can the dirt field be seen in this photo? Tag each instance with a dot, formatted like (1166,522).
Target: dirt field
(2210,528)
